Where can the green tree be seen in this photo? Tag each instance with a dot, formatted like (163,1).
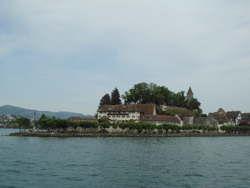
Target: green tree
(105,100)
(7,125)
(144,93)
(195,104)
(88,124)
(160,128)
(179,99)
(104,125)
(48,123)
(37,124)
(23,122)
(115,97)
(41,118)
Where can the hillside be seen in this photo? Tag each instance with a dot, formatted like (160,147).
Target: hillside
(12,110)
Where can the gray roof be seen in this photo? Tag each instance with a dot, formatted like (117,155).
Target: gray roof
(233,114)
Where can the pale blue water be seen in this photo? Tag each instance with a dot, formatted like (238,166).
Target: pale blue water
(124,162)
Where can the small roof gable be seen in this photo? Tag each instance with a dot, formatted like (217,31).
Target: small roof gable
(245,117)
(221,118)
(233,114)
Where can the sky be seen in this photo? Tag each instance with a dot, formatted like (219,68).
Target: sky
(60,55)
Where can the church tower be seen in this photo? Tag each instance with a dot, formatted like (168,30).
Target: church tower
(190,95)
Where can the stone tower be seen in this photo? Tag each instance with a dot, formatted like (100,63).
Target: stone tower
(190,95)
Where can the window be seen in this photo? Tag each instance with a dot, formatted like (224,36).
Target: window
(133,116)
(99,116)
(113,116)
(128,116)
(123,116)
(109,116)
(118,116)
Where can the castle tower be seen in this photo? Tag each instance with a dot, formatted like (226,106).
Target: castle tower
(190,95)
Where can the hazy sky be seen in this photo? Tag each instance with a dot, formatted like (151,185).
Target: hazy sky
(62,55)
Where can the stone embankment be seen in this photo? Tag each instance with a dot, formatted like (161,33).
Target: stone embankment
(63,135)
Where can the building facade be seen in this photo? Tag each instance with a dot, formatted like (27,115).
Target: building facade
(126,113)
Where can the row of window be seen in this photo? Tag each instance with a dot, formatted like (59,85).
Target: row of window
(121,116)
(117,112)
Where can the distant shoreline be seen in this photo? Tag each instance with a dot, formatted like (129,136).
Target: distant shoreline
(104,135)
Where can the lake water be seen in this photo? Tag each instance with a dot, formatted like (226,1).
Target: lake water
(124,162)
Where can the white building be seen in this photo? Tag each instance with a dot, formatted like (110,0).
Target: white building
(125,113)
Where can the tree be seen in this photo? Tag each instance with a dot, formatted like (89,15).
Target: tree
(195,104)
(115,97)
(160,128)
(104,101)
(144,93)
(36,124)
(23,122)
(48,123)
(104,125)
(41,118)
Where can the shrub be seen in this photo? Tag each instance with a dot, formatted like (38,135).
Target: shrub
(244,124)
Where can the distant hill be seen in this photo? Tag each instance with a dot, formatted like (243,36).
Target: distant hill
(12,110)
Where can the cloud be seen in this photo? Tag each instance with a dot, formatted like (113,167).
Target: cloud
(97,45)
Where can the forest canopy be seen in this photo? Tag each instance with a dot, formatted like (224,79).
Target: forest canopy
(143,93)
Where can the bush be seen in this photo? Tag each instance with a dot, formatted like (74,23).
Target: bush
(244,124)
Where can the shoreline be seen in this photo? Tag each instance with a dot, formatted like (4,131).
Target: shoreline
(105,135)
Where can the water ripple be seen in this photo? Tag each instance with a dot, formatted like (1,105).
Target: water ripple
(124,162)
